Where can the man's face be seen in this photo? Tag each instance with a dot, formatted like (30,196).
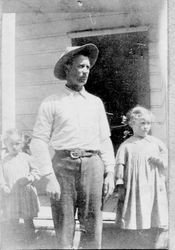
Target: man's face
(78,72)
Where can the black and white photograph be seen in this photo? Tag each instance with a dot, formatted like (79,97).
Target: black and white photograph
(87,140)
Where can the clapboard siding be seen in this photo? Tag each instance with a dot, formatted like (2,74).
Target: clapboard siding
(25,122)
(27,106)
(33,17)
(0,75)
(157,98)
(158,88)
(36,54)
(44,60)
(34,31)
(60,6)
(39,18)
(28,99)
(88,22)
(160,114)
(156,82)
(35,77)
(40,45)
(36,92)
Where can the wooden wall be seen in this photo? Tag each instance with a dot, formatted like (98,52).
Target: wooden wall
(0,77)
(42,37)
(39,42)
(158,49)
(171,131)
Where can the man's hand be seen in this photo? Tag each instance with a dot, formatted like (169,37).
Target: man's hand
(53,187)
(108,185)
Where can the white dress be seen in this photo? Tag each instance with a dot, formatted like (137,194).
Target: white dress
(22,201)
(145,204)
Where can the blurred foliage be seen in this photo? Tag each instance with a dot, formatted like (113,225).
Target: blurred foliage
(26,143)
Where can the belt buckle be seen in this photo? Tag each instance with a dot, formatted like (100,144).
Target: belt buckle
(75,154)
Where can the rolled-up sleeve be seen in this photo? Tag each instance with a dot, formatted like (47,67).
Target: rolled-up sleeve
(107,151)
(44,122)
(41,136)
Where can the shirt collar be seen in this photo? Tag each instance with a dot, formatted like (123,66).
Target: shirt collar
(82,92)
(148,138)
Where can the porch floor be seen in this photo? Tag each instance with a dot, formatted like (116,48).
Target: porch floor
(113,238)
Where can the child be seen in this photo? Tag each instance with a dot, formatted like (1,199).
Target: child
(141,164)
(17,174)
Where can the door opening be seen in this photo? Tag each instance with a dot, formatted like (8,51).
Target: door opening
(120,77)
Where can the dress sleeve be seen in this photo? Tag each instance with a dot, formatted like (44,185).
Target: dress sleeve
(121,156)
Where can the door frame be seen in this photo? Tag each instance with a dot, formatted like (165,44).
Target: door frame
(111,31)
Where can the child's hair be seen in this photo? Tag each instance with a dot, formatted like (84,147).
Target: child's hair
(138,112)
(10,132)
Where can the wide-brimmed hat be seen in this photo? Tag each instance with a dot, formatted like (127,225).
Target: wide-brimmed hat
(90,50)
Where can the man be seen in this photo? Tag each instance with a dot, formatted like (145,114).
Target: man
(74,123)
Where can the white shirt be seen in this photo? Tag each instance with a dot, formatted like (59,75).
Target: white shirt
(71,120)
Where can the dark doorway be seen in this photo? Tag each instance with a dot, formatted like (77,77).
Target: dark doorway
(120,77)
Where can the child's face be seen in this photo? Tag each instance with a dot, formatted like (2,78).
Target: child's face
(14,144)
(141,126)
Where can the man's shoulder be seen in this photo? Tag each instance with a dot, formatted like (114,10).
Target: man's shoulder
(93,97)
(50,98)
(53,98)
(49,102)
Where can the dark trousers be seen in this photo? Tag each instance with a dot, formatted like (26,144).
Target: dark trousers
(81,182)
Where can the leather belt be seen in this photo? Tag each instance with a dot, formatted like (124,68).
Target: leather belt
(78,153)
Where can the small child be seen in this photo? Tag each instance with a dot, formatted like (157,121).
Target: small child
(141,164)
(19,196)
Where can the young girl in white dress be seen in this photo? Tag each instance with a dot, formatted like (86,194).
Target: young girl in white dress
(19,198)
(141,165)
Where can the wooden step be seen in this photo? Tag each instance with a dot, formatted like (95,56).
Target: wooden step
(45,213)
